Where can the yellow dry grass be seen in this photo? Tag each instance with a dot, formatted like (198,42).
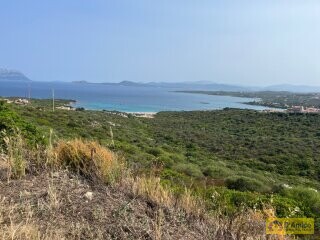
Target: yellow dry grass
(15,150)
(92,160)
(88,158)
(152,189)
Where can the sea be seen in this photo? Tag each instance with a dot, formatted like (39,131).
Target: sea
(116,97)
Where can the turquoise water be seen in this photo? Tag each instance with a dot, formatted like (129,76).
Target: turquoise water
(124,98)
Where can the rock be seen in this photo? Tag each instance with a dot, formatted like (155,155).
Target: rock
(89,195)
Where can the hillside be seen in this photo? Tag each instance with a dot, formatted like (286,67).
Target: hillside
(12,75)
(73,192)
(218,165)
(55,205)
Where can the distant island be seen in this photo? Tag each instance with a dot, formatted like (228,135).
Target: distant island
(198,85)
(12,75)
(81,81)
(212,86)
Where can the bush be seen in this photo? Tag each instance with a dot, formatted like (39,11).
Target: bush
(307,199)
(11,122)
(215,172)
(189,169)
(245,184)
(166,161)
(155,151)
(229,202)
(286,207)
(89,159)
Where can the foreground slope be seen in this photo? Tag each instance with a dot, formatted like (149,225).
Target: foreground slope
(66,201)
(58,206)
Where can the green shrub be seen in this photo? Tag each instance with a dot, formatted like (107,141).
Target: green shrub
(286,207)
(155,151)
(11,122)
(226,201)
(307,199)
(189,169)
(215,172)
(166,161)
(245,184)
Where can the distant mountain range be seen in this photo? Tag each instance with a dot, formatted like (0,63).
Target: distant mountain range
(185,85)
(223,87)
(12,75)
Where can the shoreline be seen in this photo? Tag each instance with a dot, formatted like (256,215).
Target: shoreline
(72,105)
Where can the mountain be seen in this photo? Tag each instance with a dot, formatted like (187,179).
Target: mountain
(133,84)
(12,75)
(200,85)
(211,86)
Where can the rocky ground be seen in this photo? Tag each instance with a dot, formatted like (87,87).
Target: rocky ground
(63,206)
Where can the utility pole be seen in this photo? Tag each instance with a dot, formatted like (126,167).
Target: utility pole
(29,92)
(53,100)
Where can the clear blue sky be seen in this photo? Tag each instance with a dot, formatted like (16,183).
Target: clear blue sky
(256,42)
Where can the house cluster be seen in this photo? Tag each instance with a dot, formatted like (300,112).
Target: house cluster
(68,108)
(19,101)
(302,109)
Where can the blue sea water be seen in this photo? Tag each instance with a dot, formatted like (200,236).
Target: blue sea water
(123,98)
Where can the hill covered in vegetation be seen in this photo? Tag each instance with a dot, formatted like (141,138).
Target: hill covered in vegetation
(232,162)
(276,99)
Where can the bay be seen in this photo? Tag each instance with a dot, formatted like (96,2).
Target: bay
(123,98)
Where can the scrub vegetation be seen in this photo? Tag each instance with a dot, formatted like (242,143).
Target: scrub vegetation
(233,165)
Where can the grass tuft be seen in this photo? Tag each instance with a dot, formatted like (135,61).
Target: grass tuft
(15,151)
(90,159)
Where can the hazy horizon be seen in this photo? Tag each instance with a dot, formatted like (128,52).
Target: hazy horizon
(189,82)
(245,43)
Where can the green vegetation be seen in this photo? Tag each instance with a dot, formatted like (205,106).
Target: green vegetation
(231,158)
(11,122)
(271,98)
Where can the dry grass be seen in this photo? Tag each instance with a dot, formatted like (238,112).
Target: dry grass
(30,210)
(18,223)
(90,159)
(96,162)
(151,189)
(52,204)
(15,151)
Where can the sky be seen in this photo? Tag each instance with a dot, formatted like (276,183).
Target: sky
(246,42)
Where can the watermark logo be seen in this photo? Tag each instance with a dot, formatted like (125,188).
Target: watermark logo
(284,226)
